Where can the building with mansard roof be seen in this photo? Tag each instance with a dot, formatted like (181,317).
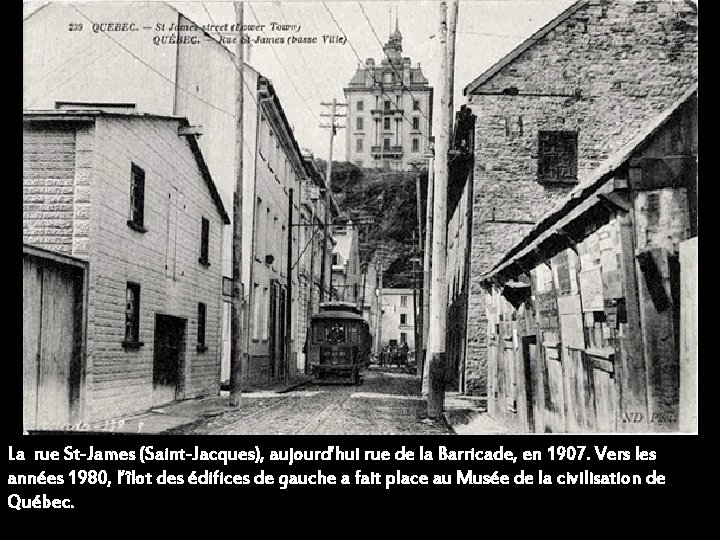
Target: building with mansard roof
(389,115)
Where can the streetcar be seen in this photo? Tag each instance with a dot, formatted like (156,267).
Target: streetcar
(338,343)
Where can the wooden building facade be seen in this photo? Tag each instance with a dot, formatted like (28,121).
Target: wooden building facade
(584,313)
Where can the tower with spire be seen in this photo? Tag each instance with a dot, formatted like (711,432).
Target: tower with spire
(389,112)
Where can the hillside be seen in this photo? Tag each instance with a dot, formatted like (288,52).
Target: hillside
(388,200)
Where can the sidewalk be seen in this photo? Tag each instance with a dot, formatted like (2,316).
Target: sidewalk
(166,419)
(467,415)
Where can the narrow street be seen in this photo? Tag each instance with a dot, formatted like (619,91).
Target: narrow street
(385,403)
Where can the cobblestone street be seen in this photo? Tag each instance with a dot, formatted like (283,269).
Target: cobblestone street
(385,403)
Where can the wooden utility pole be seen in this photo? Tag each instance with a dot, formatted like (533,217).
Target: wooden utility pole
(333,127)
(427,269)
(438,300)
(237,298)
(452,25)
(378,313)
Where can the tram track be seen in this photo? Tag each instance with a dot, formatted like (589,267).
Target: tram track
(331,411)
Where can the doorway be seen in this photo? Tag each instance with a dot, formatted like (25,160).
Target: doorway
(52,342)
(169,359)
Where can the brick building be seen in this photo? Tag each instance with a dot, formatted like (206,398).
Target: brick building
(543,118)
(585,313)
(131,195)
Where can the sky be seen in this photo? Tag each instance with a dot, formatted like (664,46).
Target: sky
(305,75)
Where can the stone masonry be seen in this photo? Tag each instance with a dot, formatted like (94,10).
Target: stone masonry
(604,69)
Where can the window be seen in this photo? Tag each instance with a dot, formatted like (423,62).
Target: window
(359,164)
(334,258)
(416,122)
(360,106)
(403,318)
(416,145)
(403,301)
(386,123)
(386,144)
(557,156)
(359,145)
(388,77)
(403,337)
(205,242)
(359,123)
(386,105)
(416,104)
(132,316)
(137,198)
(202,310)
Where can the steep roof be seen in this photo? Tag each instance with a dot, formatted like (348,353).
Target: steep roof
(572,204)
(91,114)
(525,45)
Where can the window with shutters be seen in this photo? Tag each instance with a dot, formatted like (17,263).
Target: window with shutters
(557,157)
(416,145)
(359,123)
(360,106)
(136,219)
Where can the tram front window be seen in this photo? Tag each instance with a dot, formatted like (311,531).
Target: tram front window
(335,333)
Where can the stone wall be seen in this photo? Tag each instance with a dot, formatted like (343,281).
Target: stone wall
(605,71)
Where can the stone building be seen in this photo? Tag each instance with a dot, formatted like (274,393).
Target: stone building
(544,117)
(389,113)
(586,312)
(129,194)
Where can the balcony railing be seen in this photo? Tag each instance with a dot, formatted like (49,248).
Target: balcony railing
(387,112)
(392,151)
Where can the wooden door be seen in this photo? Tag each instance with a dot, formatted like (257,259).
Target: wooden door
(529,354)
(554,395)
(492,382)
(605,408)
(52,299)
(168,359)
